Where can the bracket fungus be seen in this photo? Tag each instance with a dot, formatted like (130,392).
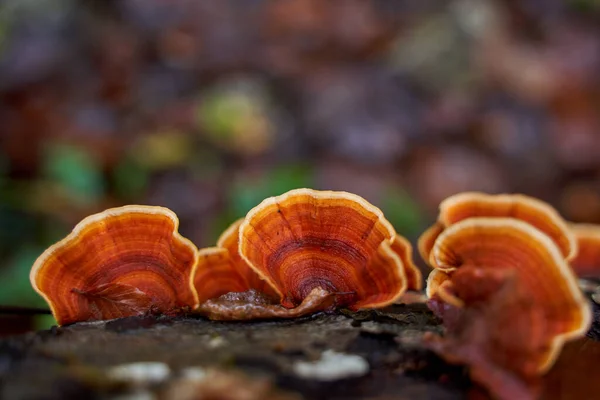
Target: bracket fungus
(427,240)
(587,262)
(336,241)
(121,262)
(221,270)
(517,206)
(439,284)
(294,254)
(230,290)
(404,250)
(492,272)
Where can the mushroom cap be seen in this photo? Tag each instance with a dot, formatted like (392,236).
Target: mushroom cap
(121,262)
(230,240)
(216,274)
(305,239)
(587,262)
(528,209)
(434,280)
(439,284)
(221,270)
(504,339)
(507,243)
(427,240)
(404,250)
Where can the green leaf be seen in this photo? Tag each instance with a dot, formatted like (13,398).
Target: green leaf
(43,322)
(15,287)
(130,179)
(245,195)
(75,170)
(402,211)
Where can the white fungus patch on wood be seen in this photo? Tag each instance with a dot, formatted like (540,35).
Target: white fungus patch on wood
(140,373)
(332,366)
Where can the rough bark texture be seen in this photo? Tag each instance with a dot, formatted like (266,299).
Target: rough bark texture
(72,362)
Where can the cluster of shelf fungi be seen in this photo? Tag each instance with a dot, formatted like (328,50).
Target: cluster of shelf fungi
(310,289)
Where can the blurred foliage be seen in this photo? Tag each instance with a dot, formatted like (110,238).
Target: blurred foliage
(19,291)
(244,195)
(209,107)
(236,118)
(130,179)
(585,5)
(74,171)
(403,212)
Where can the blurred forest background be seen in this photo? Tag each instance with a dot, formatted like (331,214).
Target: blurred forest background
(207,107)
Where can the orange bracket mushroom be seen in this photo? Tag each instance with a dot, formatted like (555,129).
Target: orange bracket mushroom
(528,209)
(404,250)
(508,267)
(229,290)
(503,360)
(333,241)
(121,262)
(221,270)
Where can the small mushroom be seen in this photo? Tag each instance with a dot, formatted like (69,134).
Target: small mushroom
(335,241)
(439,284)
(404,250)
(121,262)
(221,270)
(229,240)
(505,272)
(506,243)
(216,275)
(427,240)
(503,339)
(528,209)
(587,262)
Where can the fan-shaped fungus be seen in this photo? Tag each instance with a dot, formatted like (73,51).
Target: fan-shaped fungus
(427,240)
(216,274)
(502,338)
(528,209)
(505,272)
(506,243)
(336,241)
(221,270)
(587,262)
(121,262)
(403,249)
(439,284)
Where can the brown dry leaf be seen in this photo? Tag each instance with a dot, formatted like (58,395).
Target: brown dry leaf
(115,300)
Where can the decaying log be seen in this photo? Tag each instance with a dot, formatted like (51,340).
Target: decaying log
(365,355)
